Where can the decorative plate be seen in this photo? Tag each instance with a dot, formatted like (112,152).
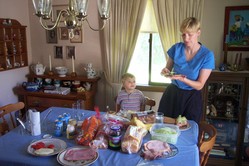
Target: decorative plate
(62,161)
(59,145)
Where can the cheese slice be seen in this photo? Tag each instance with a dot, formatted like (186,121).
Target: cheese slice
(44,151)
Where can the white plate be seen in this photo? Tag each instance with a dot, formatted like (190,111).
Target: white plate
(185,128)
(174,151)
(59,145)
(60,158)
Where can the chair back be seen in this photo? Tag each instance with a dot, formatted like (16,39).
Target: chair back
(149,102)
(7,111)
(206,140)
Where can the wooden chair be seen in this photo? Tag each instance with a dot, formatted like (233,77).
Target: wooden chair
(150,102)
(7,111)
(206,140)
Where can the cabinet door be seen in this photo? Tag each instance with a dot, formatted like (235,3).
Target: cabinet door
(44,103)
(223,110)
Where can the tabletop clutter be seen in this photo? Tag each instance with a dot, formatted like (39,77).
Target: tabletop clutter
(123,131)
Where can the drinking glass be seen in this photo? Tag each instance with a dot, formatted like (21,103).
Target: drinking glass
(75,107)
(159,117)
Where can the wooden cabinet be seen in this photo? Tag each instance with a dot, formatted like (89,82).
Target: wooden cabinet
(41,100)
(225,106)
(13,45)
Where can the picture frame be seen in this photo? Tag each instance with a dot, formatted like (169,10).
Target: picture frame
(77,36)
(236,28)
(51,35)
(55,12)
(70,50)
(64,33)
(58,52)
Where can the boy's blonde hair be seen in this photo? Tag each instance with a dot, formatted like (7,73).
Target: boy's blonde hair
(126,76)
(190,24)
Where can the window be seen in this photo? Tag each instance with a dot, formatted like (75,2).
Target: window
(145,66)
(148,58)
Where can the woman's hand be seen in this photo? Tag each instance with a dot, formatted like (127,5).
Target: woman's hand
(179,77)
(165,71)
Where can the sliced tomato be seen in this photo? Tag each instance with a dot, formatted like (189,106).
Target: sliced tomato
(51,146)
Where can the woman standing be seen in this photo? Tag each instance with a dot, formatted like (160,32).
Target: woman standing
(189,66)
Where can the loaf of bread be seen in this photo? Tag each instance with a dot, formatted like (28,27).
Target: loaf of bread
(133,139)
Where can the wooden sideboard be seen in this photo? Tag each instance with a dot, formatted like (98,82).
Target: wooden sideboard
(41,100)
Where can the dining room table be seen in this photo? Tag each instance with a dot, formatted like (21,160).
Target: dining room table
(14,146)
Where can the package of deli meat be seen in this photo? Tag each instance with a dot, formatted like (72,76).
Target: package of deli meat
(89,129)
(101,139)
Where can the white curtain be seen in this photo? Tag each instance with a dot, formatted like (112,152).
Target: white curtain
(120,36)
(169,15)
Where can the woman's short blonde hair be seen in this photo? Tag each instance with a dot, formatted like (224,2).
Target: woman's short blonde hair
(190,24)
(126,76)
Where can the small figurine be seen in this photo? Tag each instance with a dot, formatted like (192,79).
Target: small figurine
(87,86)
(207,110)
(230,109)
(213,110)
(91,73)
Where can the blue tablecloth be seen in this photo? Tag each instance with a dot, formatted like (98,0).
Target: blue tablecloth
(13,148)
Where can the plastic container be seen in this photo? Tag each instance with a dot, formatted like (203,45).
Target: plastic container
(165,132)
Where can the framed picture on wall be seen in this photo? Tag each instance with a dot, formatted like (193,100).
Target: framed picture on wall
(64,33)
(70,52)
(77,36)
(58,52)
(51,35)
(56,10)
(236,28)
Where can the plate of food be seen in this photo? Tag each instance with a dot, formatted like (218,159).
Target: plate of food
(171,74)
(77,156)
(183,123)
(155,149)
(46,147)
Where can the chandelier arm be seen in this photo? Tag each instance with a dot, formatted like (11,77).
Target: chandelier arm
(104,22)
(44,25)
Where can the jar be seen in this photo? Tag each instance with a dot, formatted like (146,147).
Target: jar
(71,129)
(58,128)
(114,142)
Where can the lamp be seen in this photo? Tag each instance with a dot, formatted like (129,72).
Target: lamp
(74,15)
(149,20)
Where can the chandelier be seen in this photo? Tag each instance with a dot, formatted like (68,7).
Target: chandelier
(74,15)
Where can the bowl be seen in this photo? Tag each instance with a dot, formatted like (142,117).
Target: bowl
(165,132)
(61,71)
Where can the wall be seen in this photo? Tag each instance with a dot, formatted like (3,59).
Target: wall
(9,79)
(213,27)
(86,52)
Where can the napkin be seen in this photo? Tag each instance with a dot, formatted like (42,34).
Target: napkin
(35,122)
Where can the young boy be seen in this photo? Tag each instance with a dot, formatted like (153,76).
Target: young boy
(130,98)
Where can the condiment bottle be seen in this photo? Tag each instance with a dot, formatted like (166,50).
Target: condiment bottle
(71,129)
(58,128)
(114,142)
(66,117)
